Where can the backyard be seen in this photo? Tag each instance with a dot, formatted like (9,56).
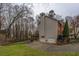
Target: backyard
(25,33)
(23,49)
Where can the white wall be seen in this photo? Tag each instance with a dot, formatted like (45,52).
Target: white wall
(51,30)
(48,28)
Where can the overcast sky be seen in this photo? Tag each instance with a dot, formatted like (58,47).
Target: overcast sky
(63,9)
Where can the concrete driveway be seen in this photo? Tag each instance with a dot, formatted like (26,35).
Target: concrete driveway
(55,48)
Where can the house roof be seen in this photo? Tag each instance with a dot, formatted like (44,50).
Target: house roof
(52,18)
(58,21)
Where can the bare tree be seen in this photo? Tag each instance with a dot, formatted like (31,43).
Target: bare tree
(17,16)
(74,22)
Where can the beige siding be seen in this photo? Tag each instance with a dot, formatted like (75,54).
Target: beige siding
(51,30)
(48,28)
(41,27)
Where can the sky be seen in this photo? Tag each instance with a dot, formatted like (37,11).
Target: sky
(62,9)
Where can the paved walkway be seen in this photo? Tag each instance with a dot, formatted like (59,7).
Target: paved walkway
(55,48)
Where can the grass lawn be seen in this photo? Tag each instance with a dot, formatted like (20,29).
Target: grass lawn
(21,49)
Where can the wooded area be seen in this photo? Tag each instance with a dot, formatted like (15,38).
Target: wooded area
(17,22)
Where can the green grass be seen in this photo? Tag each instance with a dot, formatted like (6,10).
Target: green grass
(21,49)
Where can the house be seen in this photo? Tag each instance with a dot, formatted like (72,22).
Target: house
(49,29)
(73,24)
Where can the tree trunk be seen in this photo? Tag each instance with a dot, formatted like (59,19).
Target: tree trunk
(66,40)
